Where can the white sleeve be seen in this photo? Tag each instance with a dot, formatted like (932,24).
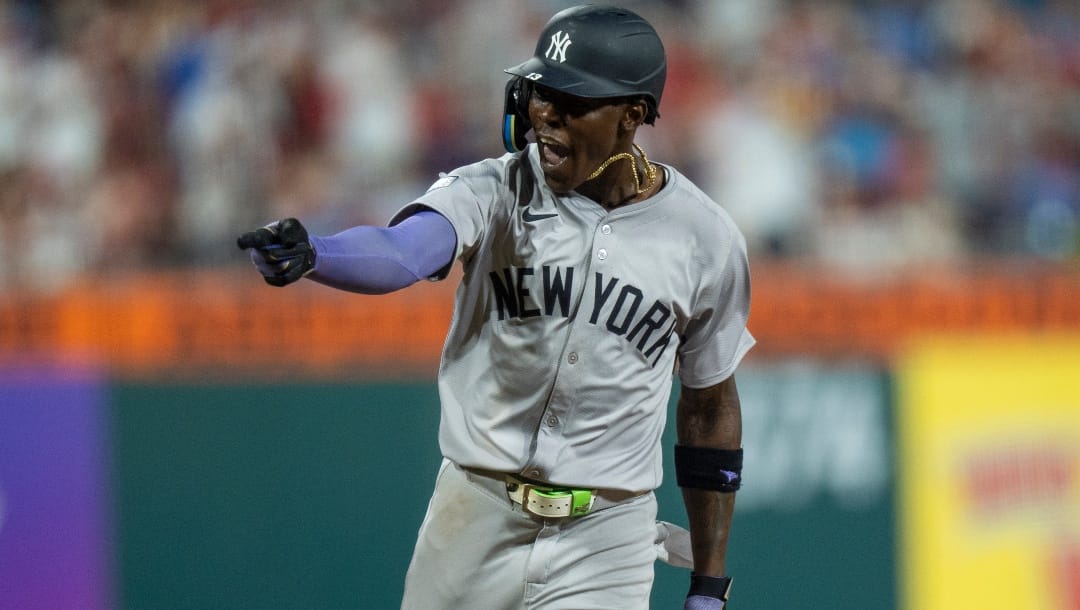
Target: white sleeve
(716,341)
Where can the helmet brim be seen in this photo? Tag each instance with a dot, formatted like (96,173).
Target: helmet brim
(566,79)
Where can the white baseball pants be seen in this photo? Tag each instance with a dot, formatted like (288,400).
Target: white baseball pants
(477,549)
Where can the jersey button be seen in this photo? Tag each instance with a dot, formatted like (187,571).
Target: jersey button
(606,229)
(601,254)
(572,358)
(553,421)
(535,473)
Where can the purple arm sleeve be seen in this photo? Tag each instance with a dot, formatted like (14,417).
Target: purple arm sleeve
(377,260)
(700,602)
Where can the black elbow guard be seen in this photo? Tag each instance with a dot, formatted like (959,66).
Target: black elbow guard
(708,468)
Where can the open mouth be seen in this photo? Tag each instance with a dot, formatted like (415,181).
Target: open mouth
(553,153)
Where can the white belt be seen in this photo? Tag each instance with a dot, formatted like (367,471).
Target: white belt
(672,542)
(546,500)
(550,502)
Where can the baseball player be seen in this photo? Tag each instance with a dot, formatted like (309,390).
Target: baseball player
(592,276)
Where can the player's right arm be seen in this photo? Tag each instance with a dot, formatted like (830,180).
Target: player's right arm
(708,466)
(364,259)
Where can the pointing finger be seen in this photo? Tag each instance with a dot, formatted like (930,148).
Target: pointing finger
(259,238)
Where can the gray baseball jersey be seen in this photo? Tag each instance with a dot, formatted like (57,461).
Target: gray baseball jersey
(570,319)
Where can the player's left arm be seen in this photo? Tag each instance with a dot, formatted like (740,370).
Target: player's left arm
(708,464)
(365,259)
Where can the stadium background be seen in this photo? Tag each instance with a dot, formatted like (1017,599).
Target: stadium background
(173,433)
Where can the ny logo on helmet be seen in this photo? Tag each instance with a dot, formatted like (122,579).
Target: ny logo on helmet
(557,49)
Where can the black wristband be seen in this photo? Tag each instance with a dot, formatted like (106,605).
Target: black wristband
(708,468)
(710,586)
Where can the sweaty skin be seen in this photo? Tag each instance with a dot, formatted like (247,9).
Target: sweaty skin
(576,135)
(709,417)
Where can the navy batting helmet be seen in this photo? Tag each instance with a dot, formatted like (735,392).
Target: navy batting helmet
(589,51)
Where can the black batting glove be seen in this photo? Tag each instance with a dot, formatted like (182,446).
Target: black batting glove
(281,251)
(707,593)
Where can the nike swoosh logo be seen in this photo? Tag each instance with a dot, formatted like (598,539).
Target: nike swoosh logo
(528,216)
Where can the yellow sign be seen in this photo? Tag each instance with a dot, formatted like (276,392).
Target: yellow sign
(990,474)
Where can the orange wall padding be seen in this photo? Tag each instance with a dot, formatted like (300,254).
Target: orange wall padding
(227,323)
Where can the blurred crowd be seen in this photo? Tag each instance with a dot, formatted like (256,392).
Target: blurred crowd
(871,136)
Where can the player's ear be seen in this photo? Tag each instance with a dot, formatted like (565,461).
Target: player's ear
(634,115)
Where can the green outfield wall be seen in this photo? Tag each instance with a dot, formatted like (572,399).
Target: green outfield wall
(310,495)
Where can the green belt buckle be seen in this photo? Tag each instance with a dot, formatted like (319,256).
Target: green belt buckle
(581,502)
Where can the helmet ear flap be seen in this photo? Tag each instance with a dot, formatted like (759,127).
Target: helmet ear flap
(516,114)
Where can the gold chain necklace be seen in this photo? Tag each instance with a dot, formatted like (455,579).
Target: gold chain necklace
(650,169)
